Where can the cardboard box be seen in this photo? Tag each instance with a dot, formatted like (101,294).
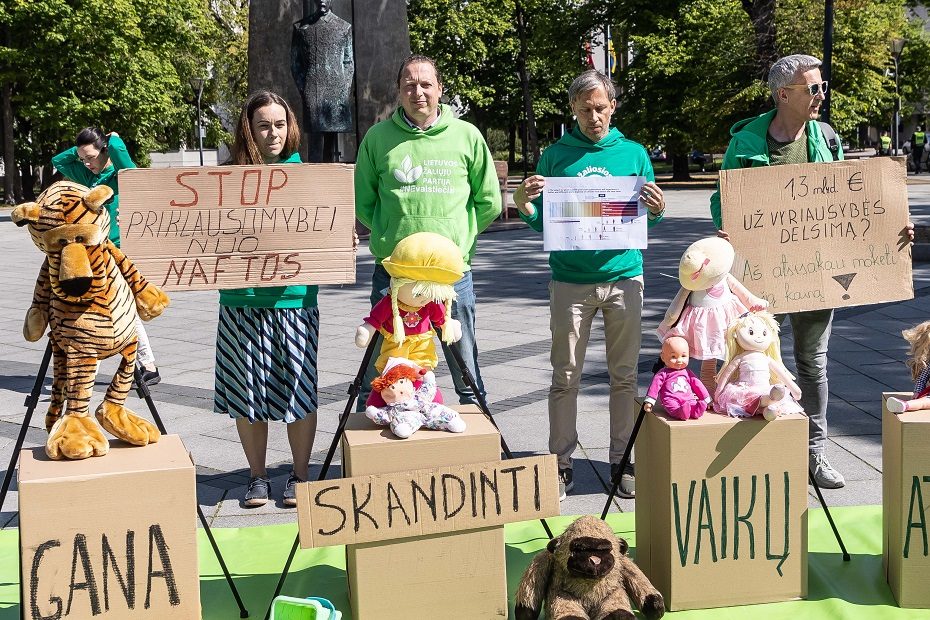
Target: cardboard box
(110,537)
(452,575)
(823,235)
(905,503)
(721,509)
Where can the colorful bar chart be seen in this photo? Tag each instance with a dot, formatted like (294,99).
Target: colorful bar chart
(570,210)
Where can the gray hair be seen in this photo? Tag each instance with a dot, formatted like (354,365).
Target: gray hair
(786,70)
(591,79)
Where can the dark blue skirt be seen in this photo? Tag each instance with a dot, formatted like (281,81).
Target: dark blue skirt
(266,363)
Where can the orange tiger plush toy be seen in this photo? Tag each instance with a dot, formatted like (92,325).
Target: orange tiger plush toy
(88,293)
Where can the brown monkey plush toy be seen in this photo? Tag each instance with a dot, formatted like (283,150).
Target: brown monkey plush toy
(585,574)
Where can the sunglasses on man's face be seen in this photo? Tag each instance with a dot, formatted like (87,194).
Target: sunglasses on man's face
(812,89)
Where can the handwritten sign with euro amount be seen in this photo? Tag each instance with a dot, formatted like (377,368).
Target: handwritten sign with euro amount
(239,226)
(817,236)
(426,501)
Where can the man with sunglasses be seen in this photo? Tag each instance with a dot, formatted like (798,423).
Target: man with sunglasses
(790,134)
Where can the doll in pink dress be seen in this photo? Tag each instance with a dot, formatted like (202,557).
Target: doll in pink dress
(676,388)
(762,384)
(709,300)
(919,363)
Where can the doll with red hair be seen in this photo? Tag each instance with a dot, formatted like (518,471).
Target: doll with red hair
(408,407)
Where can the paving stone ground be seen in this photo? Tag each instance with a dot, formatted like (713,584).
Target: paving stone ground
(511,278)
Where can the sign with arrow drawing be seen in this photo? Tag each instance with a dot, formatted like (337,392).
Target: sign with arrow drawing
(817,236)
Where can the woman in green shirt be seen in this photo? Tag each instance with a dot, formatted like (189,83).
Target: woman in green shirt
(266,341)
(96,159)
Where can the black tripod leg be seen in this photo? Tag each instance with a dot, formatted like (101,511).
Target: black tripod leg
(143,390)
(826,509)
(483,404)
(354,388)
(32,401)
(624,460)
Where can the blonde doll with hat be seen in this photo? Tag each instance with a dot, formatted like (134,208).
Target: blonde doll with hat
(919,363)
(423,269)
(762,384)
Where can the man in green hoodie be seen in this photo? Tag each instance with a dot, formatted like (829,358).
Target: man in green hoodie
(425,170)
(584,281)
(790,134)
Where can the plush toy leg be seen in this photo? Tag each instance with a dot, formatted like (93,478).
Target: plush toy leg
(896,405)
(561,607)
(77,436)
(775,395)
(442,418)
(406,424)
(709,375)
(113,414)
(59,385)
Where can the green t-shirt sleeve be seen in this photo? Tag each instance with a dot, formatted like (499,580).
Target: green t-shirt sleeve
(485,188)
(119,154)
(366,186)
(535,221)
(71,167)
(730,161)
(646,170)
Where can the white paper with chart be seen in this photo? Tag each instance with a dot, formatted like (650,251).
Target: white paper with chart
(593,213)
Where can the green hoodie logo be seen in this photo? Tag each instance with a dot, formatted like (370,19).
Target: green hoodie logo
(408,173)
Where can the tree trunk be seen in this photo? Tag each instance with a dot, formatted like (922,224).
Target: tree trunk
(762,15)
(512,144)
(680,170)
(532,142)
(9,155)
(28,182)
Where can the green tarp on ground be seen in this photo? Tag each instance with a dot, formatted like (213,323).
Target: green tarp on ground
(255,555)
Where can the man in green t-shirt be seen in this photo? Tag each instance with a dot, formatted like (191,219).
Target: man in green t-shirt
(790,134)
(585,281)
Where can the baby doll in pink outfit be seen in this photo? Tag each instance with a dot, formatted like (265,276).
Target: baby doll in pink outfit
(676,388)
(709,300)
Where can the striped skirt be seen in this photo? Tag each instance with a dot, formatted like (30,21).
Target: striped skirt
(266,363)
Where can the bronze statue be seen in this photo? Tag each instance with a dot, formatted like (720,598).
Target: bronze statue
(323,67)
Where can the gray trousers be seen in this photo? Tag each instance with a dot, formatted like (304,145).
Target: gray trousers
(811,339)
(572,308)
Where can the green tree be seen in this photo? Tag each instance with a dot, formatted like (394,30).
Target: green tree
(698,66)
(229,83)
(476,44)
(691,75)
(119,64)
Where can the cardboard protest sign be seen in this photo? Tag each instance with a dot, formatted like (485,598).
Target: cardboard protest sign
(426,501)
(110,537)
(721,519)
(816,236)
(906,503)
(239,226)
